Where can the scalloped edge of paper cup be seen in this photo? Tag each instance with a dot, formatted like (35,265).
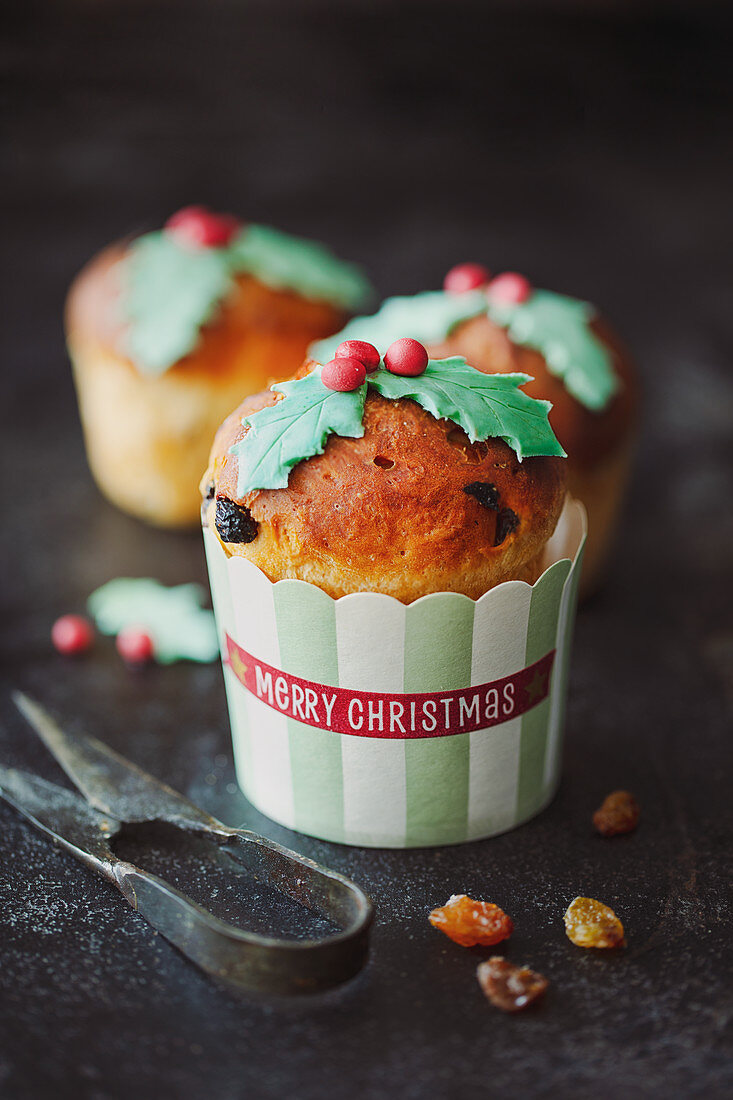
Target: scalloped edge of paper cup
(430,723)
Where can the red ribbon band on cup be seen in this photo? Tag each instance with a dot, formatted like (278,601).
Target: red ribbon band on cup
(385,714)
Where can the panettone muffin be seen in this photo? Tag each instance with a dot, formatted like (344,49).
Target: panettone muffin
(573,358)
(170,330)
(385,686)
(434,478)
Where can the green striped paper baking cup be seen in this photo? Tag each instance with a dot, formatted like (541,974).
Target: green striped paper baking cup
(367,721)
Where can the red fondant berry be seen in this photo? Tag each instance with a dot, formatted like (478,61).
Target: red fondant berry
(406,356)
(343,374)
(72,634)
(465,277)
(197,227)
(509,289)
(361,350)
(134,645)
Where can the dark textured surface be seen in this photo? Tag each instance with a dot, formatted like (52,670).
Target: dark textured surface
(585,145)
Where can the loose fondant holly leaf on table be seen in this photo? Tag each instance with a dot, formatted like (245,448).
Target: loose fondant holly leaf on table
(559,328)
(484,405)
(179,627)
(170,292)
(295,428)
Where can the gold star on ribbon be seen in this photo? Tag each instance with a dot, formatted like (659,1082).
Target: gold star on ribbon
(239,668)
(537,687)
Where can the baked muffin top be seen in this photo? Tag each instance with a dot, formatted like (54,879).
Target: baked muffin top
(409,505)
(160,298)
(501,325)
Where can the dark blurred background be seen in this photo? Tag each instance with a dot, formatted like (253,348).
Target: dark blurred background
(586,144)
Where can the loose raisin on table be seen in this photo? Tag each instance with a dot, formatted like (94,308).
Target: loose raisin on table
(618,813)
(470,922)
(508,987)
(590,923)
(234,522)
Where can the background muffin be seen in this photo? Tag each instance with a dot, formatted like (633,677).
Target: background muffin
(574,359)
(170,330)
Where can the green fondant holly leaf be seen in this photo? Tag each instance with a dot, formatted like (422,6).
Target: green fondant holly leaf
(559,328)
(293,263)
(428,317)
(484,405)
(179,627)
(295,428)
(170,293)
(555,325)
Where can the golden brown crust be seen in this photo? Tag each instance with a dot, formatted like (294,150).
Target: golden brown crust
(389,512)
(587,436)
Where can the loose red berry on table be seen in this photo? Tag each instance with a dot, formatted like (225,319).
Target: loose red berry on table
(72,634)
(197,227)
(134,645)
(406,356)
(361,350)
(509,289)
(465,277)
(343,374)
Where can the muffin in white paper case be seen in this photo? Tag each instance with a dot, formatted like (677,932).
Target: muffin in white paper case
(366,721)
